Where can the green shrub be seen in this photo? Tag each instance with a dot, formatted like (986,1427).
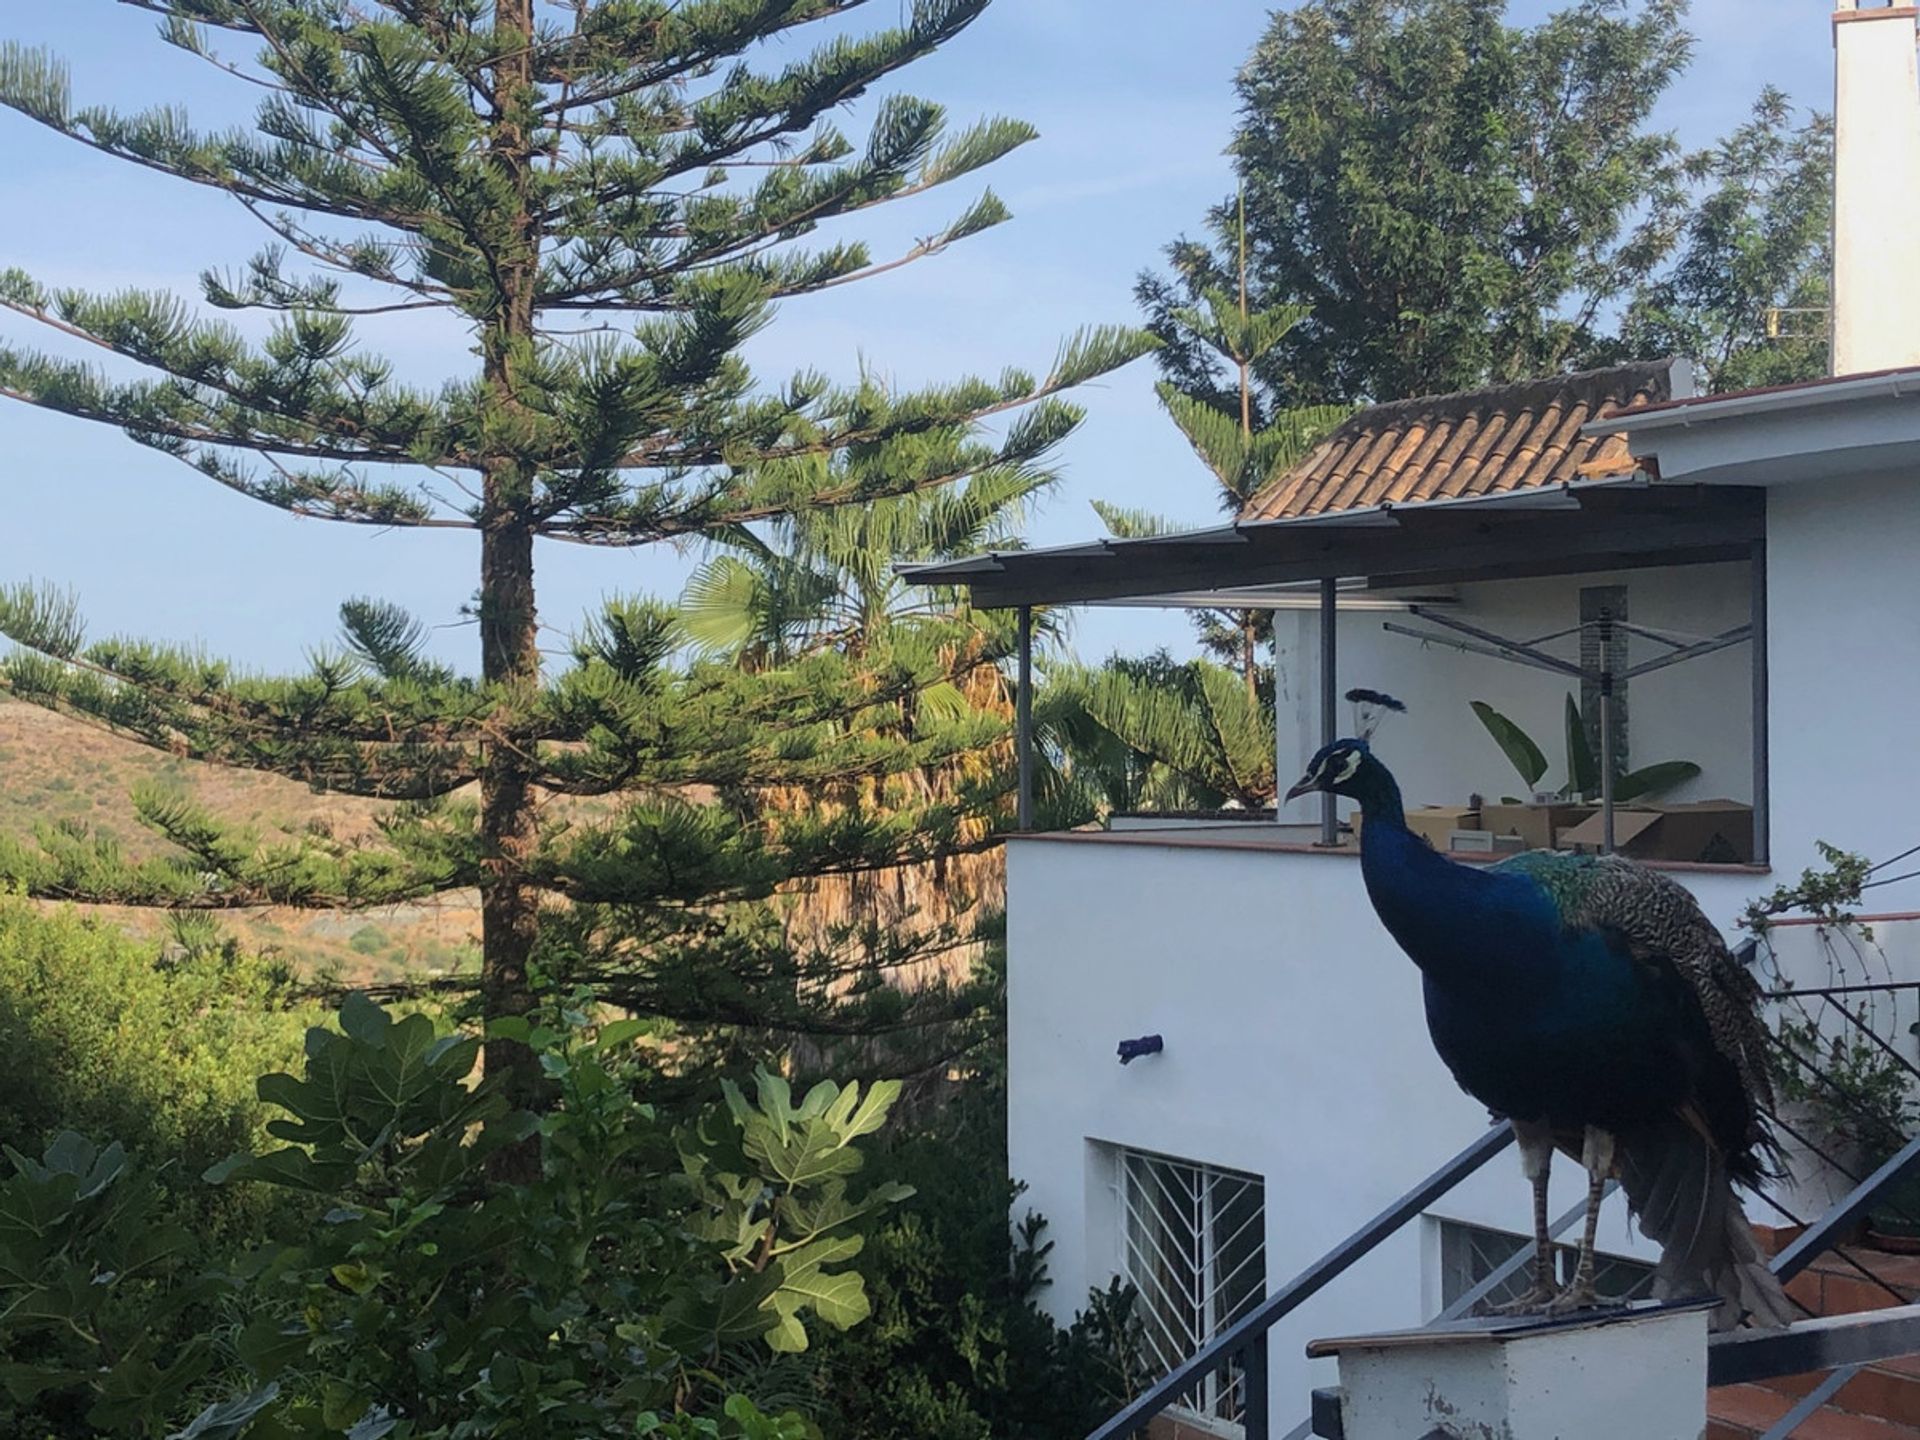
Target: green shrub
(368,940)
(447,1288)
(111,1035)
(957,1348)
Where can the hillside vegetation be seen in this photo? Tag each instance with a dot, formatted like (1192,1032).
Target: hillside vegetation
(55,770)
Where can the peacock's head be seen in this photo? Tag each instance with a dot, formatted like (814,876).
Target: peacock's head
(1339,768)
(1347,767)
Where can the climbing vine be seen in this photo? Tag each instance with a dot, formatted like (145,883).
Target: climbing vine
(1851,1078)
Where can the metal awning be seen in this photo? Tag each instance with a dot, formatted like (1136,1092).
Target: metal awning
(1571,528)
(1608,524)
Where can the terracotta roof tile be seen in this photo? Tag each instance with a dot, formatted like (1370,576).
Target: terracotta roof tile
(1509,437)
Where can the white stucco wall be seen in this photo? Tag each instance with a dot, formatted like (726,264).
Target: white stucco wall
(1843,572)
(1876,306)
(1296,1049)
(1698,710)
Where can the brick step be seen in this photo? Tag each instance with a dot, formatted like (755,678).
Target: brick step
(1888,1390)
(1881,1402)
(1745,1412)
(1832,1286)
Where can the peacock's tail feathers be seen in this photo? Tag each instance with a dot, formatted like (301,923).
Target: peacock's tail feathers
(1664,929)
(1679,1188)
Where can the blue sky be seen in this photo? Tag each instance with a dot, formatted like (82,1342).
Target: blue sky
(1134,105)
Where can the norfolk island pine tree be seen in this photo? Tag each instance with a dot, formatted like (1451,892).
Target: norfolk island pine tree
(530,167)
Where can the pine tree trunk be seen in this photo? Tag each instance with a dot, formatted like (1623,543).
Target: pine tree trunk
(509,913)
(509,632)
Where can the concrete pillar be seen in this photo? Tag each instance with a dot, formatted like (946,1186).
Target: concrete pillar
(1639,1373)
(1876,188)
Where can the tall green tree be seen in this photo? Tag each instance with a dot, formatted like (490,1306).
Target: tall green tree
(645,170)
(1455,200)
(1238,429)
(1747,294)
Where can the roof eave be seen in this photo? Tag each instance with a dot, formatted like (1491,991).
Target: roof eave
(1595,524)
(1684,414)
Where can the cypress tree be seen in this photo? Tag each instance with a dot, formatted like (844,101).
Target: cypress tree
(639,169)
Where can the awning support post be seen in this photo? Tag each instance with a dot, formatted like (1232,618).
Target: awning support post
(1757,633)
(1329,700)
(1023,724)
(1606,751)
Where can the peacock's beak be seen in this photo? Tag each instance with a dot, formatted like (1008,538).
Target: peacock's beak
(1306,786)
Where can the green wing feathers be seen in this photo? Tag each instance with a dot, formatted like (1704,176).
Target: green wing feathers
(1663,927)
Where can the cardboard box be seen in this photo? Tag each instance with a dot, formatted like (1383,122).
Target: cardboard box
(1538,826)
(1712,832)
(1484,842)
(1436,823)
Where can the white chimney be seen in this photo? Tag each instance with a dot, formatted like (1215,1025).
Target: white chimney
(1876,188)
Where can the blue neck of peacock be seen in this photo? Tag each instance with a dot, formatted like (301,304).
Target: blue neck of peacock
(1378,792)
(1451,919)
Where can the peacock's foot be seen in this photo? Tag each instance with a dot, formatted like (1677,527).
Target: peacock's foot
(1576,1297)
(1534,1302)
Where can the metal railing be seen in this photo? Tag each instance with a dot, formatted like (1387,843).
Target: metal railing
(1844,1343)
(1244,1343)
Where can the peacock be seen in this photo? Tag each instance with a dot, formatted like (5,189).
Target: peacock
(1588,1000)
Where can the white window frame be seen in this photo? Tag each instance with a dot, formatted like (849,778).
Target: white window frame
(1192,1243)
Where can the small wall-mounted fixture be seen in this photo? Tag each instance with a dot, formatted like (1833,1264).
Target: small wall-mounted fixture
(1131,1050)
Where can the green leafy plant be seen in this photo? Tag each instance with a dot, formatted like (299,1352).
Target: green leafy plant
(958,1347)
(1155,733)
(95,1277)
(1858,1096)
(1582,766)
(608,1294)
(772,1176)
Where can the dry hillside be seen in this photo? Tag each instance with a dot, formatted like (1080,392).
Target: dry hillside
(54,769)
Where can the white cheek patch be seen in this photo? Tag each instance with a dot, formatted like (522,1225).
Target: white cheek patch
(1346,770)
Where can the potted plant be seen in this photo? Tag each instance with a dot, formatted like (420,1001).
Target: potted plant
(1582,766)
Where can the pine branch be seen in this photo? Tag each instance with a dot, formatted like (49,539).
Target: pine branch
(305,395)
(221,14)
(687,36)
(1132,524)
(287,173)
(1091,352)
(901,161)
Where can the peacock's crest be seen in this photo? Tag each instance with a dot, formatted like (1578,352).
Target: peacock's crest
(1370,708)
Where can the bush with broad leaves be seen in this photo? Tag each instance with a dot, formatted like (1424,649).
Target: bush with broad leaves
(624,1288)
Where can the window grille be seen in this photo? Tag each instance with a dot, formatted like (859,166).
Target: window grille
(1196,1251)
(1470,1253)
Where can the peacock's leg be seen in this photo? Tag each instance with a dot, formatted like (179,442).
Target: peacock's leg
(1596,1154)
(1536,1159)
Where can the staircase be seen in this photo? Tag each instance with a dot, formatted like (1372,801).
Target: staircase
(1882,1402)
(1873,1331)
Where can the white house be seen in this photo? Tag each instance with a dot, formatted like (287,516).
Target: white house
(1765,546)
